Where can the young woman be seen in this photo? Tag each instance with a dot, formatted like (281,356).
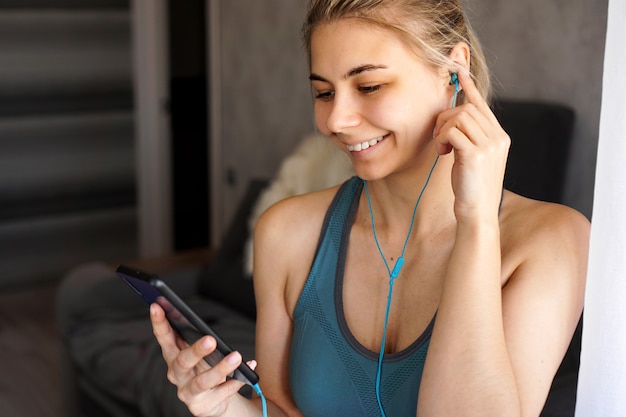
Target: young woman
(471,292)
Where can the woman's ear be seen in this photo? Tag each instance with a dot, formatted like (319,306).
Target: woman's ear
(460,54)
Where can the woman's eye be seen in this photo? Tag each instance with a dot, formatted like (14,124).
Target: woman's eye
(369,88)
(324,95)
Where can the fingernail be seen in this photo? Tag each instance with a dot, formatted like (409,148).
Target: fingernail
(207,343)
(152,309)
(233,358)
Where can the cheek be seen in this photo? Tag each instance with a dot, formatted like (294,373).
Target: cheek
(414,120)
(397,114)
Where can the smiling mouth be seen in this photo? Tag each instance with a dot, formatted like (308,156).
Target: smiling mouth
(364,145)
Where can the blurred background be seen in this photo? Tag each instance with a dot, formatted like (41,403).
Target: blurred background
(131,129)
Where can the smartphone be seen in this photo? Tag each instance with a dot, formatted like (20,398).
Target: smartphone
(181,317)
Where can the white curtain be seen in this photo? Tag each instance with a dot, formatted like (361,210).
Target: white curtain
(602,381)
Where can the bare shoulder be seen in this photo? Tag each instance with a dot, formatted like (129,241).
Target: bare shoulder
(524,220)
(285,239)
(550,237)
(544,268)
(294,219)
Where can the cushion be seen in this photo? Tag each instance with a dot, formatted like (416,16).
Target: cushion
(314,165)
(541,135)
(223,278)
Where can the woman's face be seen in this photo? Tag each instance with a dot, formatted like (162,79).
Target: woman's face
(374,97)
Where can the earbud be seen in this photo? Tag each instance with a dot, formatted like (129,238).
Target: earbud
(454,78)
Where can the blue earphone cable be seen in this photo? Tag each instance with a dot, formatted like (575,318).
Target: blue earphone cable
(257,388)
(393,274)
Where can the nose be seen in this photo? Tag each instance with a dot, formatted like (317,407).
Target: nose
(344,114)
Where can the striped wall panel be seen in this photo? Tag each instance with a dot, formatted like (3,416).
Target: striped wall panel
(67,162)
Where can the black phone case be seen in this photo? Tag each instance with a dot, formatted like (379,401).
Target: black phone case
(181,317)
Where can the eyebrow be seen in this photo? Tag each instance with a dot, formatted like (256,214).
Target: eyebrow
(354,71)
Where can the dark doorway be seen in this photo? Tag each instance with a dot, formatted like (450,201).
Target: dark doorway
(189,127)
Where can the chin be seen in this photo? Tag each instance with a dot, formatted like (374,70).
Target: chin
(369,174)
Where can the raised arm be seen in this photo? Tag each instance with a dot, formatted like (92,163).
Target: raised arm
(513,290)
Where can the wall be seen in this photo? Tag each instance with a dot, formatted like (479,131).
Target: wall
(67,183)
(266,102)
(551,50)
(538,49)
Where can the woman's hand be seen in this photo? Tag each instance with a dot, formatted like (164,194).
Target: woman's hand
(480,147)
(204,389)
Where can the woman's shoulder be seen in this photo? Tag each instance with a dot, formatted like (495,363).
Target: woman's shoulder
(538,230)
(297,212)
(285,239)
(523,215)
(292,226)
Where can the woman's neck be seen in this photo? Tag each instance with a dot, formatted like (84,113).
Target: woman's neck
(393,199)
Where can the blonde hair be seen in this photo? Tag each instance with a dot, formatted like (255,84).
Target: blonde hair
(430,27)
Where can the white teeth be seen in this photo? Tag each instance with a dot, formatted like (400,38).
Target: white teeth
(364,145)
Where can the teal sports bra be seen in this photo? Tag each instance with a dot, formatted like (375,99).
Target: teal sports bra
(331,373)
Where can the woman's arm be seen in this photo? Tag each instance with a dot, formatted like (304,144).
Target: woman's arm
(205,390)
(468,371)
(543,301)
(494,350)
(283,248)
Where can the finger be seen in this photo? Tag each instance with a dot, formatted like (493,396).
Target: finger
(216,375)
(467,120)
(484,117)
(252,364)
(457,140)
(181,343)
(193,356)
(203,398)
(165,335)
(443,148)
(473,95)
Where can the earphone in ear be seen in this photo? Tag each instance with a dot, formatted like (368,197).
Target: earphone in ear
(454,79)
